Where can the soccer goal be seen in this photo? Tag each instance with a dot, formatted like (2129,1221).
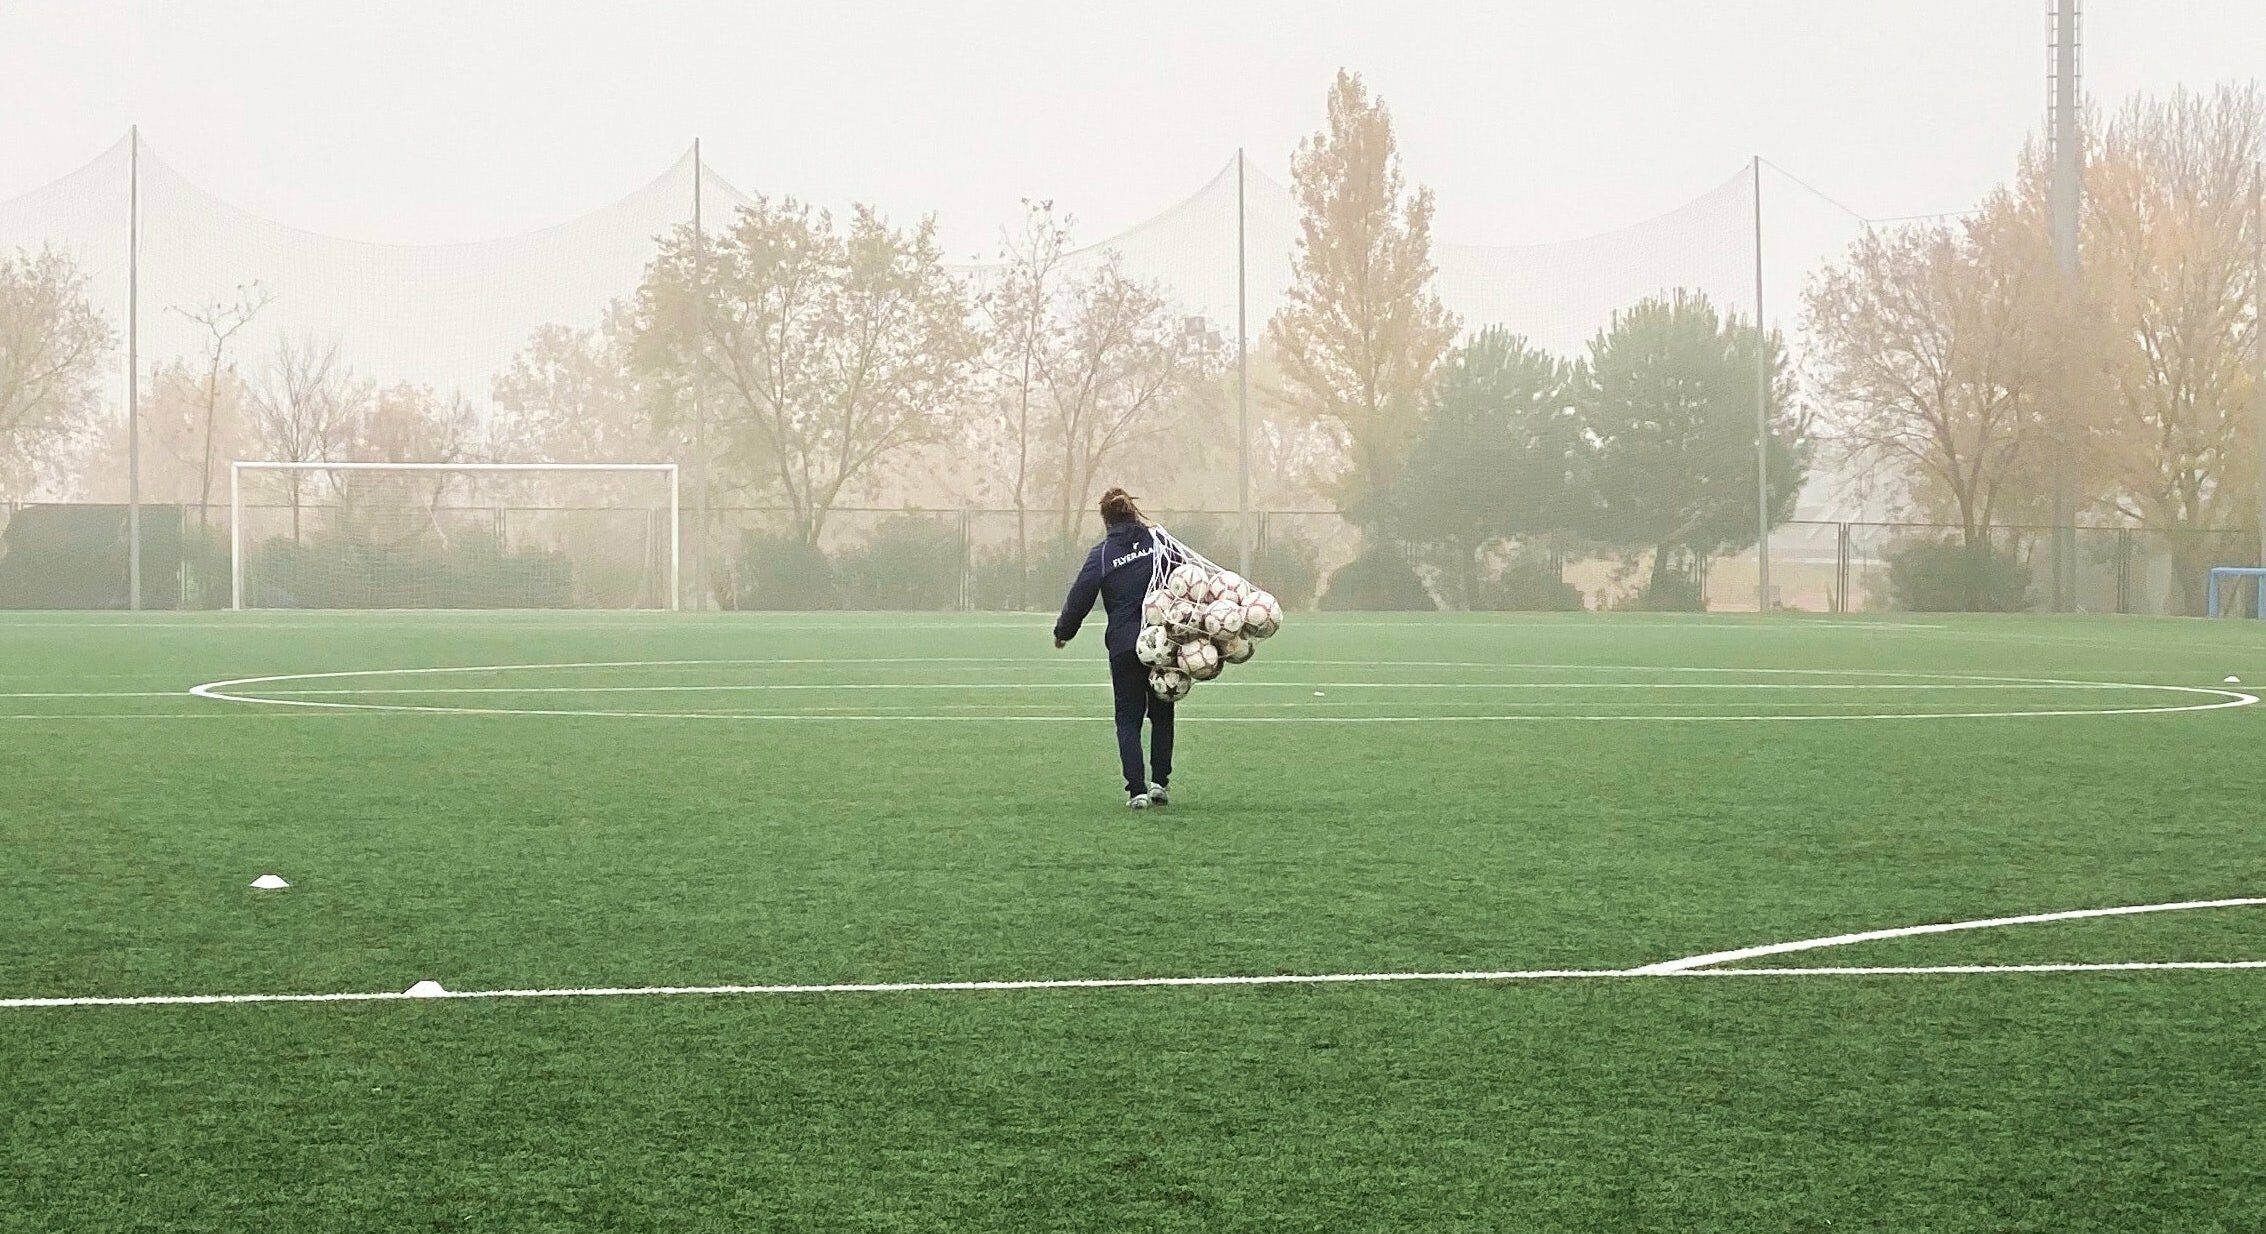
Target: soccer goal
(2256,575)
(454,535)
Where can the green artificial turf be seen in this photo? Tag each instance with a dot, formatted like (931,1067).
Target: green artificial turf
(935,798)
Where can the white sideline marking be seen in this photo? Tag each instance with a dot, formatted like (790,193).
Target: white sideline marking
(425,991)
(1959,970)
(1689,963)
(96,694)
(1689,966)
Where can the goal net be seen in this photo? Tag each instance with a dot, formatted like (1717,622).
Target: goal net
(453,535)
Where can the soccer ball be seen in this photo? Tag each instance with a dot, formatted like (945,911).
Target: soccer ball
(1199,659)
(1223,617)
(1262,616)
(1235,649)
(1205,588)
(1170,684)
(1153,608)
(1228,585)
(1154,647)
(1182,581)
(1184,616)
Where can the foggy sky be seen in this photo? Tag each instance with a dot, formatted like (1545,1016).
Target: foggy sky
(1533,121)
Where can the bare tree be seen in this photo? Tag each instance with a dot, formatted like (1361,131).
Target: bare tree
(832,352)
(1123,358)
(222,320)
(53,347)
(1935,349)
(572,396)
(411,424)
(2168,272)
(1018,314)
(308,408)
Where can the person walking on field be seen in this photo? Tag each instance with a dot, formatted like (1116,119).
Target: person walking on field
(1117,571)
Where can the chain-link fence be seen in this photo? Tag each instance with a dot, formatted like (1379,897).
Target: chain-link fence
(73,556)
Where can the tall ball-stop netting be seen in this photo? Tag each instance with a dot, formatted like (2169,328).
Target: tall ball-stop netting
(257,341)
(260,342)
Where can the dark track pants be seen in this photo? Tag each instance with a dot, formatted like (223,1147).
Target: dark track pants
(1129,679)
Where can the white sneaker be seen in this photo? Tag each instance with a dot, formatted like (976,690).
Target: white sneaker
(1158,796)
(1138,801)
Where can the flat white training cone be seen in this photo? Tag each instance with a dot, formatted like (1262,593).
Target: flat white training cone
(2234,681)
(269,882)
(427,988)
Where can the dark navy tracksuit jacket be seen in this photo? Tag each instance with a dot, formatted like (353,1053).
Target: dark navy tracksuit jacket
(1117,573)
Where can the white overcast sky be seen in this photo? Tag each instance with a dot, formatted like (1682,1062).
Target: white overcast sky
(1533,119)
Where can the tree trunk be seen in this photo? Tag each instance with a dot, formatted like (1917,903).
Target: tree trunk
(212,412)
(1022,555)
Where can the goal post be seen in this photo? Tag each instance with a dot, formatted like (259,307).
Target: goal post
(454,535)
(2255,574)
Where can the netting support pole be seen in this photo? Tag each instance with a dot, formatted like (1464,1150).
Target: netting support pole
(699,390)
(2258,357)
(2065,195)
(1242,389)
(1762,418)
(236,536)
(676,543)
(133,368)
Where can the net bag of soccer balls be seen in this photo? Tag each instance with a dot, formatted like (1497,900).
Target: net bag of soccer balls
(1197,618)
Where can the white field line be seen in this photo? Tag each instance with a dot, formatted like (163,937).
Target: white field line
(882,622)
(746,687)
(963,717)
(95,694)
(1955,970)
(1713,958)
(228,691)
(1690,966)
(1121,983)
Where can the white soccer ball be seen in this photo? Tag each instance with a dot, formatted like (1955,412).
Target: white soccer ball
(1170,684)
(1262,616)
(1183,579)
(1228,585)
(1205,588)
(1153,608)
(1184,616)
(1235,649)
(1199,659)
(1154,647)
(1222,618)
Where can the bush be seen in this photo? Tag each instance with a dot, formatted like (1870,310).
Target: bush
(783,572)
(1288,565)
(1379,580)
(1949,576)
(1525,586)
(1671,593)
(996,583)
(470,572)
(74,557)
(909,562)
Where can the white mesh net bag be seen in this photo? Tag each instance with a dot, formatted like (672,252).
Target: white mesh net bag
(1198,617)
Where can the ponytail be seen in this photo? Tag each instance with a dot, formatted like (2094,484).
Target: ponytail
(1118,507)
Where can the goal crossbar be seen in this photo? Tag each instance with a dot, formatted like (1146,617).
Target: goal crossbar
(237,468)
